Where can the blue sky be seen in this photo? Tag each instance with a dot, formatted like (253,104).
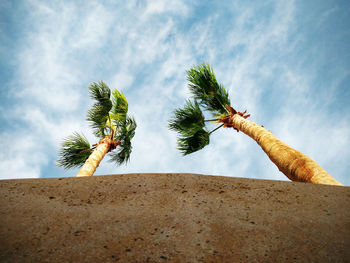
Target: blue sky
(286,62)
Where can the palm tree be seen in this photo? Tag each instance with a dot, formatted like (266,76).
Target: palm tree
(110,123)
(211,96)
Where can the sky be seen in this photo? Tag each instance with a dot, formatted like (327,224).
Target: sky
(286,62)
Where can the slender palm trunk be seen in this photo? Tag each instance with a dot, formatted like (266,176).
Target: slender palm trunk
(103,147)
(294,164)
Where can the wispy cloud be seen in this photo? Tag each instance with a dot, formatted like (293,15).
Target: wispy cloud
(144,49)
(159,7)
(22,156)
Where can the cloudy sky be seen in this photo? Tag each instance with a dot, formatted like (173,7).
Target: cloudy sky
(286,62)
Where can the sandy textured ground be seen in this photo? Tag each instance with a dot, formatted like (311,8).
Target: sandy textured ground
(172,218)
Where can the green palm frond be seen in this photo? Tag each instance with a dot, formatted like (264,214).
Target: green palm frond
(119,108)
(205,88)
(125,134)
(99,112)
(101,93)
(192,142)
(189,121)
(187,118)
(122,154)
(75,150)
(98,118)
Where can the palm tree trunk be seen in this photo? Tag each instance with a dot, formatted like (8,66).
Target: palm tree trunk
(294,164)
(91,164)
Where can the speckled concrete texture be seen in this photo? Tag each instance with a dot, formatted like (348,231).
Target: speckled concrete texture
(172,218)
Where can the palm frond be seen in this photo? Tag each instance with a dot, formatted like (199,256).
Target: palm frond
(127,129)
(98,120)
(205,88)
(192,142)
(125,135)
(75,150)
(187,118)
(98,114)
(119,108)
(121,154)
(101,93)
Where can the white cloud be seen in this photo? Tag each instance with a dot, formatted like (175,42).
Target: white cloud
(144,49)
(91,31)
(255,44)
(141,44)
(45,74)
(121,80)
(157,7)
(22,155)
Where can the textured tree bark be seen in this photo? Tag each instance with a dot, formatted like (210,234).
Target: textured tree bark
(294,164)
(91,164)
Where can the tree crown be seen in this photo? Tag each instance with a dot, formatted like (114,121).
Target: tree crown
(189,121)
(108,117)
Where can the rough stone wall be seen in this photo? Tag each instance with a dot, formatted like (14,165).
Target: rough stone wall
(172,218)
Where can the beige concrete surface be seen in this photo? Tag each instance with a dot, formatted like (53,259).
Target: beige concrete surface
(172,218)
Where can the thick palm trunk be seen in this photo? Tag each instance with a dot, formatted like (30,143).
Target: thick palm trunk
(91,164)
(294,164)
